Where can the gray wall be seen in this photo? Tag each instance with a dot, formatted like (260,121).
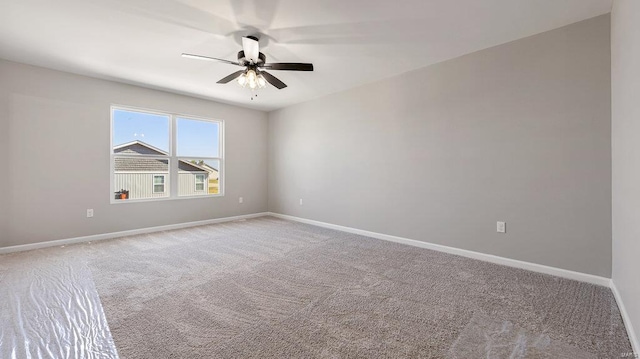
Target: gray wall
(54,123)
(625,89)
(519,132)
(5,163)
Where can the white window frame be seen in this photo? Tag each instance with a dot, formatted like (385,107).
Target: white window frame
(204,183)
(174,160)
(164,183)
(220,159)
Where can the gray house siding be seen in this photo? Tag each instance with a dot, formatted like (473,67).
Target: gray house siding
(136,174)
(187,184)
(187,179)
(139,185)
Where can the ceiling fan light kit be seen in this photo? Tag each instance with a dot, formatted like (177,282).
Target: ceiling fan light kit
(251,79)
(253,76)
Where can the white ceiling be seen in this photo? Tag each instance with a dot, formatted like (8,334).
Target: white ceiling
(350,42)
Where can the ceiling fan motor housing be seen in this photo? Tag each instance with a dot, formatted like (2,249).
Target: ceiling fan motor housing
(243,60)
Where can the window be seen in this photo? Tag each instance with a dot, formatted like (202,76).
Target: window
(198,152)
(158,184)
(200,182)
(157,155)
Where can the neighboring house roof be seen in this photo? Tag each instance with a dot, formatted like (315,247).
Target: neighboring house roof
(138,147)
(132,164)
(209,168)
(190,167)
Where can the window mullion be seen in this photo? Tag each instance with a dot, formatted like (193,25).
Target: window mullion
(173,163)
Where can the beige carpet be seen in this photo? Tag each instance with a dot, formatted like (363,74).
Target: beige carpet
(269,288)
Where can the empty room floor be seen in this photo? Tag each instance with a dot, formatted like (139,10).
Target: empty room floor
(267,287)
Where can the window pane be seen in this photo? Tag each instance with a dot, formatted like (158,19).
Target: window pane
(197,177)
(140,133)
(158,184)
(198,138)
(140,177)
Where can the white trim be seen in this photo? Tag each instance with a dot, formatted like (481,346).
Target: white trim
(166,198)
(564,273)
(222,174)
(174,169)
(132,232)
(635,345)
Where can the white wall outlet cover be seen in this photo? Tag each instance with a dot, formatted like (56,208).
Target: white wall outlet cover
(301,201)
(89,213)
(240,200)
(501,227)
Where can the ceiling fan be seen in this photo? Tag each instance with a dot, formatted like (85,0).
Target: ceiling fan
(255,63)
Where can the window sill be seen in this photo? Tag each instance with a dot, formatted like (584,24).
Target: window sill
(162,199)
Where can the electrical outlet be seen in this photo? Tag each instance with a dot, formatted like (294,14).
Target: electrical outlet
(501,227)
(89,213)
(301,201)
(240,200)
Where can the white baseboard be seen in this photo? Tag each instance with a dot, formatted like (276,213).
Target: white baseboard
(583,277)
(564,273)
(98,237)
(635,345)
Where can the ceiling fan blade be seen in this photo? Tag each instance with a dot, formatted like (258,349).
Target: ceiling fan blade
(231,77)
(289,66)
(273,80)
(251,48)
(207,58)
(175,13)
